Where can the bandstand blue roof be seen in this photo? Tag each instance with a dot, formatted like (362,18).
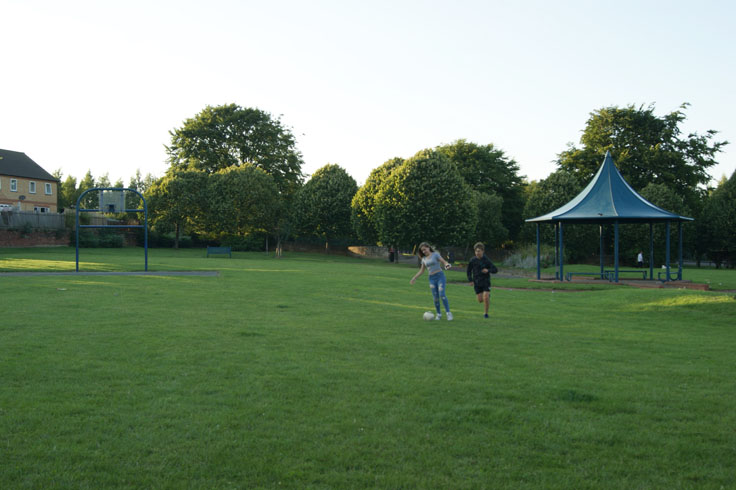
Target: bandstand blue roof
(608,198)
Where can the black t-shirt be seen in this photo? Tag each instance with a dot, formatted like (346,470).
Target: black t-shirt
(475,270)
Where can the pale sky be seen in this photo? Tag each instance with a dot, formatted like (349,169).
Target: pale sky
(98,85)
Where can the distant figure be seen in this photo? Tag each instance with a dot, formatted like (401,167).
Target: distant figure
(640,260)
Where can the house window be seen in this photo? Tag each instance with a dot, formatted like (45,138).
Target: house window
(48,189)
(39,209)
(31,187)
(13,185)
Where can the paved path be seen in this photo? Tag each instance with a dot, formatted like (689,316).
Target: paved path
(112,273)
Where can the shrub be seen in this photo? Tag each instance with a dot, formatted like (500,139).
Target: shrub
(25,229)
(162,240)
(526,257)
(253,242)
(110,239)
(87,239)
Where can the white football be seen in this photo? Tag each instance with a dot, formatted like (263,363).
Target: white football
(428,315)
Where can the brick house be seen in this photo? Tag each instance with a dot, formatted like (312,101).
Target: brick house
(25,185)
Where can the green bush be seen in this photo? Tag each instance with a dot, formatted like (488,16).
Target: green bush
(253,242)
(98,239)
(110,239)
(162,240)
(25,229)
(87,239)
(526,257)
(156,240)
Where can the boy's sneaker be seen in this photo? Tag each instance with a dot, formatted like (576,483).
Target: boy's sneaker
(485,316)
(438,317)
(449,316)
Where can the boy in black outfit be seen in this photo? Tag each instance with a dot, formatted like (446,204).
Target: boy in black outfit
(479,272)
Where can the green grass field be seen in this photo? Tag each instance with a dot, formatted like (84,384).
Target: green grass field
(318,372)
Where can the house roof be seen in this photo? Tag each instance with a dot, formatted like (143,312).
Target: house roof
(608,198)
(17,164)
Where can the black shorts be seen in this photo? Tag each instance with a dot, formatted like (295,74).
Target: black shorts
(479,288)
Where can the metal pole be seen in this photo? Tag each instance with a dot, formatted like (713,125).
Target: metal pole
(679,271)
(539,259)
(145,229)
(562,251)
(651,251)
(600,233)
(555,263)
(667,251)
(76,229)
(615,251)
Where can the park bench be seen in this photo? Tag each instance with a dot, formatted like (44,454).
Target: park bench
(667,276)
(612,274)
(219,251)
(602,275)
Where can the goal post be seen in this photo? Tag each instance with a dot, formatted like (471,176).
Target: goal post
(112,200)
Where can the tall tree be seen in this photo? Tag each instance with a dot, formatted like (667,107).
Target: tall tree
(68,193)
(634,238)
(488,170)
(231,136)
(59,201)
(103,181)
(363,206)
(91,199)
(647,149)
(175,202)
(549,194)
(717,224)
(489,229)
(140,184)
(322,205)
(242,200)
(425,198)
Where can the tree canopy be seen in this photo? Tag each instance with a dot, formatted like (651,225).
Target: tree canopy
(647,149)
(635,237)
(425,199)
(549,194)
(364,202)
(322,205)
(489,228)
(232,136)
(718,221)
(487,169)
(176,201)
(241,200)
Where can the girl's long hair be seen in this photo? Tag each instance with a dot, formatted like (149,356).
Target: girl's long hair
(424,244)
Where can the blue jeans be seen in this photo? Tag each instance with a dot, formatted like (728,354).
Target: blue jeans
(437,283)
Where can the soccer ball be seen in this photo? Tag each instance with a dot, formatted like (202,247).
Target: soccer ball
(428,315)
